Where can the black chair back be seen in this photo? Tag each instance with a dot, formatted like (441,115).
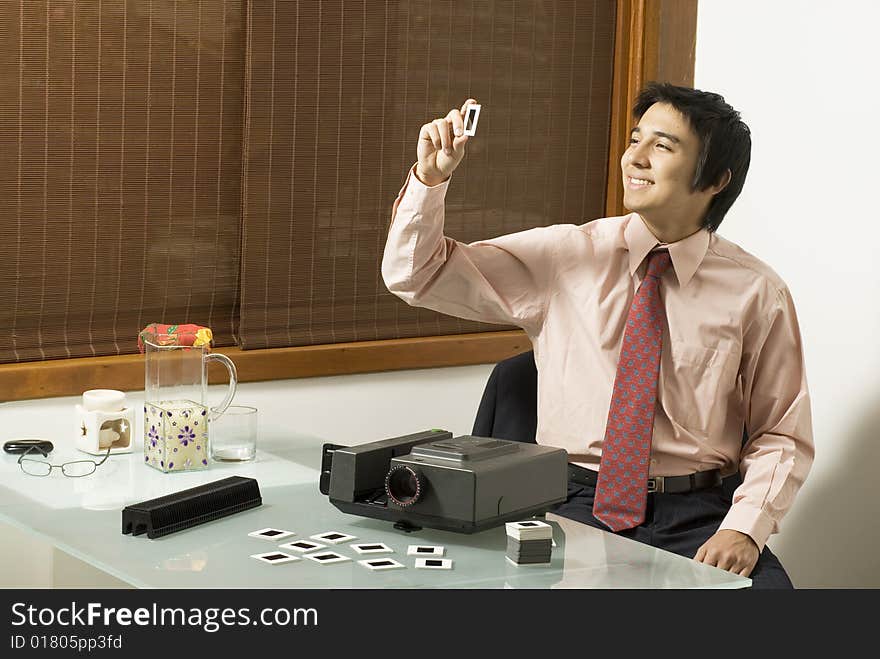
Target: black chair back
(509,406)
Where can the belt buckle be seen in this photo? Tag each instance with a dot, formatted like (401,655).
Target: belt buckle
(655,484)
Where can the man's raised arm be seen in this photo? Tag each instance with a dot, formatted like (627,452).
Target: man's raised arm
(503,280)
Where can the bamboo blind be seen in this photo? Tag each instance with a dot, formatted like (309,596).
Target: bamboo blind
(120,172)
(337,94)
(233,163)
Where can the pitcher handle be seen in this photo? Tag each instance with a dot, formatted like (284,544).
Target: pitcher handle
(233,382)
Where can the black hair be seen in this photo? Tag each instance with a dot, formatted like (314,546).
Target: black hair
(725,140)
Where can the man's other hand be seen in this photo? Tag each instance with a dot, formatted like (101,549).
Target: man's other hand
(730,550)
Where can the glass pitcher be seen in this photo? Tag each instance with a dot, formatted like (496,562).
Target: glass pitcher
(176,410)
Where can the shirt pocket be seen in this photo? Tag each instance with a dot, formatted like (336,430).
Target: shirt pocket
(692,386)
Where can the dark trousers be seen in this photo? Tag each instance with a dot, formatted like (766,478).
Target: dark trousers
(679,523)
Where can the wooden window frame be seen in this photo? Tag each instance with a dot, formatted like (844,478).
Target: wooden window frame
(654,40)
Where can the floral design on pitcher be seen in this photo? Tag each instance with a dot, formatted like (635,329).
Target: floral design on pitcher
(153,436)
(186,435)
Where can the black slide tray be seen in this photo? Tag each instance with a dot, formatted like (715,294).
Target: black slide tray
(188,508)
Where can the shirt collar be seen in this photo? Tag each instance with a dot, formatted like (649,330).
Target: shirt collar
(686,254)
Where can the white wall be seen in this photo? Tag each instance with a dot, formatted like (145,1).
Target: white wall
(353,409)
(803,75)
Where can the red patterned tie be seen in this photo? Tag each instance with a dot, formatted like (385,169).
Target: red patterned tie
(622,488)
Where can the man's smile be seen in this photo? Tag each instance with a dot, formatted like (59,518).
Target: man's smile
(638,183)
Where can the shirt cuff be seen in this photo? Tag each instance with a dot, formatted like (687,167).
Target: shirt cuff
(416,198)
(416,194)
(752,521)
(418,181)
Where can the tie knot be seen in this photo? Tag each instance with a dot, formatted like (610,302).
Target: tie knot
(658,262)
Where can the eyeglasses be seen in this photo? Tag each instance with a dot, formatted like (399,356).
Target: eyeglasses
(75,469)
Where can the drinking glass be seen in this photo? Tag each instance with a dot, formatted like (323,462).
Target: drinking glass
(234,434)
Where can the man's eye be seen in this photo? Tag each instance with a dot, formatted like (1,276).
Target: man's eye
(660,144)
(633,140)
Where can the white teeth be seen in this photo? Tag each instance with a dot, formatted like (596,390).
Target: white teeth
(640,181)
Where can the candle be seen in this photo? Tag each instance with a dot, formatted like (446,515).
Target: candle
(104,400)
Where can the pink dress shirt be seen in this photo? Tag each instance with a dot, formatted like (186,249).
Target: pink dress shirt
(732,352)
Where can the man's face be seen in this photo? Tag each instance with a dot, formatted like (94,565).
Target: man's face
(658,168)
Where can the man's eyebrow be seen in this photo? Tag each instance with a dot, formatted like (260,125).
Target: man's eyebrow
(668,136)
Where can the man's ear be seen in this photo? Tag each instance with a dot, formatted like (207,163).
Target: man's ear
(722,183)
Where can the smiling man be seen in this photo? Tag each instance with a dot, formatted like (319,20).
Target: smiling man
(668,357)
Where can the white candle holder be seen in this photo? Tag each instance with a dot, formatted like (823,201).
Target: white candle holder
(103,420)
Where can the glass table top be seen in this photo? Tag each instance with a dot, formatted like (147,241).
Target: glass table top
(83,518)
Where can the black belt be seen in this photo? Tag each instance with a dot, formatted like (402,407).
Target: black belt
(662,484)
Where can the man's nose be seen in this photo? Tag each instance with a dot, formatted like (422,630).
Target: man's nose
(638,155)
